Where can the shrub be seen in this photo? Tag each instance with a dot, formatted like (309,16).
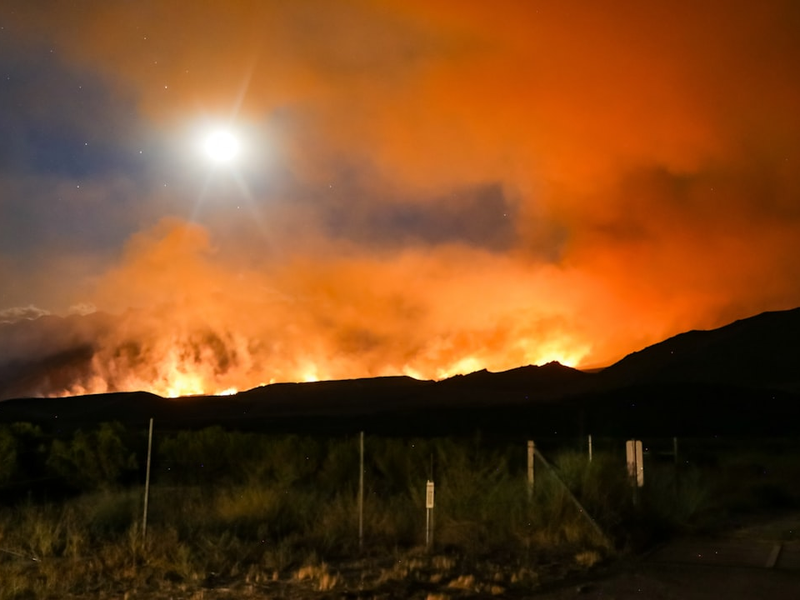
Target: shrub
(8,455)
(92,460)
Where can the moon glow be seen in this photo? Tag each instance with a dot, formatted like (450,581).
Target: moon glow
(221,146)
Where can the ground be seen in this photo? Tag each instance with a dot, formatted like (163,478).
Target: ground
(753,559)
(757,559)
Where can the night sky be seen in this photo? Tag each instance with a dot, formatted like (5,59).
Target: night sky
(423,188)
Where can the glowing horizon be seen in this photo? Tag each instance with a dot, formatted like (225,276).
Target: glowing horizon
(419,187)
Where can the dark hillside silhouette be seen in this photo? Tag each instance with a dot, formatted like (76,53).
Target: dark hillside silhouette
(743,378)
(759,352)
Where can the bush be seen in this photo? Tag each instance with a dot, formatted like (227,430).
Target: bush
(8,455)
(92,460)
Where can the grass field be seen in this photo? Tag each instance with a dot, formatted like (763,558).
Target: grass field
(244,509)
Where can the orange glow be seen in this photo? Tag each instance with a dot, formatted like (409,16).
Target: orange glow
(182,384)
(449,186)
(342,318)
(309,375)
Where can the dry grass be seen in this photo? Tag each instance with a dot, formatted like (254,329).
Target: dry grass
(291,520)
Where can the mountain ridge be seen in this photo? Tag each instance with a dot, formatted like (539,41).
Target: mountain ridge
(749,367)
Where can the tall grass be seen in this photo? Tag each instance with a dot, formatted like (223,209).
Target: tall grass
(226,506)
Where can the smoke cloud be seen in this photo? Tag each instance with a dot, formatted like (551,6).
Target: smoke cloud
(429,189)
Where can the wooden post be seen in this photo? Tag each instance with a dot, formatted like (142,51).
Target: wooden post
(639,464)
(590,447)
(429,496)
(147,482)
(635,458)
(531,452)
(361,496)
(633,451)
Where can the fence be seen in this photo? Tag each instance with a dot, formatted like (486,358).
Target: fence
(366,494)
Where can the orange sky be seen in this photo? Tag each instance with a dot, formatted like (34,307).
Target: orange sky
(428,187)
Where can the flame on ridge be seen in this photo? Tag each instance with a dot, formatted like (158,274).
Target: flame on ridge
(204,370)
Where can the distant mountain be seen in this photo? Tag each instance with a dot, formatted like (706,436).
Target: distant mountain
(761,352)
(359,396)
(522,385)
(740,379)
(743,378)
(531,384)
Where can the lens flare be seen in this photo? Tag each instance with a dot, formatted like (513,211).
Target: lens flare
(221,146)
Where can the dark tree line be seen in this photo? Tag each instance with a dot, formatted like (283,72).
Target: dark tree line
(88,460)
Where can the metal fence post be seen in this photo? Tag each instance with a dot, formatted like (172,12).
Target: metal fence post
(147,483)
(361,494)
(531,452)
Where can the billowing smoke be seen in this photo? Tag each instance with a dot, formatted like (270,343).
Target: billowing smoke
(435,188)
(200,324)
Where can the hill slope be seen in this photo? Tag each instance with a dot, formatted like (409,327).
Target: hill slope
(741,378)
(758,352)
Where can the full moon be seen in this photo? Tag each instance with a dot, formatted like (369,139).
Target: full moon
(221,146)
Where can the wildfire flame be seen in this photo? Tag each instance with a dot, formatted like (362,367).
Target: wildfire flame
(206,327)
(178,370)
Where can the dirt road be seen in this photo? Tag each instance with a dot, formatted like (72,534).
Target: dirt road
(759,561)
(665,581)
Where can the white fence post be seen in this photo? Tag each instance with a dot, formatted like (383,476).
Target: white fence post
(429,496)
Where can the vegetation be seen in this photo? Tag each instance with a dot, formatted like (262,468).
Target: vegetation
(265,510)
